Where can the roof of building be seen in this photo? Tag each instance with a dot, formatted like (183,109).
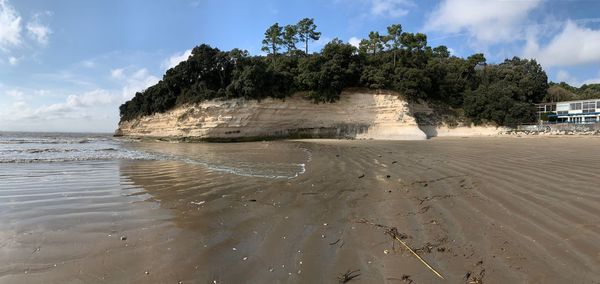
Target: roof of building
(578,101)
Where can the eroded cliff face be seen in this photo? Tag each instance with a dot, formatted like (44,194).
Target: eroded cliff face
(361,115)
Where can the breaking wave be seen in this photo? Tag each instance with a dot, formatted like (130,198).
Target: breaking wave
(21,149)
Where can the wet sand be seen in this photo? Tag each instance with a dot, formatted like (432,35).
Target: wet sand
(504,210)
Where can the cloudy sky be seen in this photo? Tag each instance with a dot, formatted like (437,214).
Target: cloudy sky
(66,65)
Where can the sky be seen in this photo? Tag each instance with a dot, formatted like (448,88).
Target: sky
(67,65)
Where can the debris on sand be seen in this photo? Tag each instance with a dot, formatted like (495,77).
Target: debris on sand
(406,278)
(395,235)
(473,278)
(361,176)
(198,203)
(349,276)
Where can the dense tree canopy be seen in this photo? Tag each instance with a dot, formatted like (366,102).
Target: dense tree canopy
(503,94)
(564,92)
(506,92)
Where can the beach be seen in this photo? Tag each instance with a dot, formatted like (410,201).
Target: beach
(493,210)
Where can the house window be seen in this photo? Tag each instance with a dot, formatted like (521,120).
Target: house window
(590,119)
(575,106)
(589,107)
(562,107)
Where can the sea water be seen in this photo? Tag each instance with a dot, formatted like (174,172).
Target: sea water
(252,159)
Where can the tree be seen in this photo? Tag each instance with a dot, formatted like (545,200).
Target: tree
(307,31)
(414,83)
(393,41)
(506,92)
(373,44)
(557,93)
(327,75)
(413,42)
(441,51)
(290,37)
(591,91)
(273,39)
(250,80)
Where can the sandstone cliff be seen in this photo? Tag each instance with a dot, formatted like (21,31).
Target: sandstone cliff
(357,114)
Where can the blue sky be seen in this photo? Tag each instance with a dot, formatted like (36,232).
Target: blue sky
(66,65)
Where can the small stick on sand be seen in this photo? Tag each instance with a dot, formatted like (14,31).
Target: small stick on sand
(393,232)
(348,276)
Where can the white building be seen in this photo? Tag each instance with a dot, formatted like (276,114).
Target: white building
(584,111)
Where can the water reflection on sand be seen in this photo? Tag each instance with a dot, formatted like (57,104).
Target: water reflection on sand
(128,220)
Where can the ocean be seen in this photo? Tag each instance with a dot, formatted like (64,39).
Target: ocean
(60,148)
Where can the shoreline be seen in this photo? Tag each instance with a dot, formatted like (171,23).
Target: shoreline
(272,139)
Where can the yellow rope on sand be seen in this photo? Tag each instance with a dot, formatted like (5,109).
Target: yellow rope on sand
(393,232)
(417,256)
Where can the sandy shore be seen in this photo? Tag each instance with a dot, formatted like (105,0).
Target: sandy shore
(500,210)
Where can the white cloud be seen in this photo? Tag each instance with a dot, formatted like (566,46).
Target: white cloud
(452,51)
(19,105)
(354,41)
(487,22)
(595,80)
(390,8)
(38,31)
(575,45)
(90,63)
(90,99)
(175,59)
(134,82)
(42,93)
(565,76)
(117,73)
(13,60)
(72,107)
(93,109)
(319,44)
(15,94)
(10,26)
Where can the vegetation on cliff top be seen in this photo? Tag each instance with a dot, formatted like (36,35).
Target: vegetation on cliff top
(400,61)
(558,92)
